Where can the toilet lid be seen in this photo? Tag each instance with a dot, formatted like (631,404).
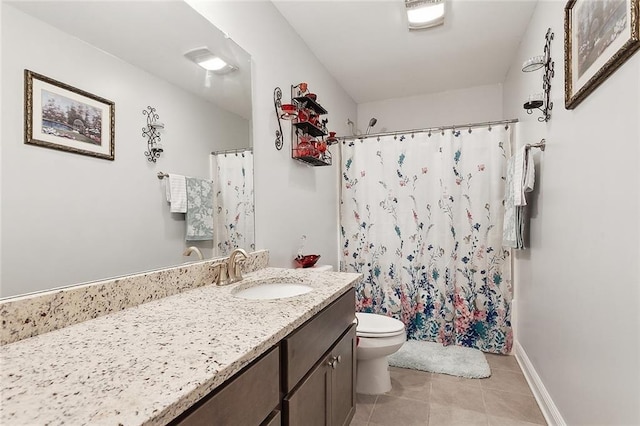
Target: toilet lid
(372,325)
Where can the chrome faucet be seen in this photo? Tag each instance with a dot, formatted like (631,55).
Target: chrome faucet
(195,250)
(233,267)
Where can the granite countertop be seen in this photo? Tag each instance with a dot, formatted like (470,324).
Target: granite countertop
(149,363)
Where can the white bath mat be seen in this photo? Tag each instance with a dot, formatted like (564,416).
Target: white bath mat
(454,360)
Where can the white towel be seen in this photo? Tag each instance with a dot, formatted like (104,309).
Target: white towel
(520,179)
(176,191)
(524,176)
(510,225)
(529,175)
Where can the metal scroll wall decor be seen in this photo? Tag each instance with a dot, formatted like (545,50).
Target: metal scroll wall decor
(541,101)
(152,132)
(277,102)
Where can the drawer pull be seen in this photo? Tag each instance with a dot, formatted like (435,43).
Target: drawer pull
(333,363)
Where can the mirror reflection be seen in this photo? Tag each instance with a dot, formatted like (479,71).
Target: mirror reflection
(69,218)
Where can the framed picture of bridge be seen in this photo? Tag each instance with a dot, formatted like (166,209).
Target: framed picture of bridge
(60,116)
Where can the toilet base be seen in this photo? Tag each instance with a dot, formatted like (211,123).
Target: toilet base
(372,377)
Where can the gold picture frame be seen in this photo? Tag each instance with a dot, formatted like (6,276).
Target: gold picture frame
(62,117)
(600,35)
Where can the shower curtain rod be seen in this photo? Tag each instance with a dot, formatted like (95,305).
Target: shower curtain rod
(232,151)
(430,129)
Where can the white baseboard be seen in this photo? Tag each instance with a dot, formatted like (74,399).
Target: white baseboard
(548,408)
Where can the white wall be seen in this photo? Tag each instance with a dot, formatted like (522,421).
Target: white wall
(578,285)
(291,199)
(471,105)
(69,218)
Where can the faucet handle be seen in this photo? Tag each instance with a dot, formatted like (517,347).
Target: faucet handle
(223,274)
(237,271)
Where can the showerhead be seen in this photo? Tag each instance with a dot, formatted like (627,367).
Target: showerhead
(372,123)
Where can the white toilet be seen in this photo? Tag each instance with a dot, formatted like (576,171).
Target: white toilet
(378,337)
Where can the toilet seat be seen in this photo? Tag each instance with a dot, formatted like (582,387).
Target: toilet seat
(374,325)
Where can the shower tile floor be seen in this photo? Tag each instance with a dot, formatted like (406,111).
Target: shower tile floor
(423,398)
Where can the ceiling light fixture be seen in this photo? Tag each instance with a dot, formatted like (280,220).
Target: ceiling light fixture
(423,14)
(210,62)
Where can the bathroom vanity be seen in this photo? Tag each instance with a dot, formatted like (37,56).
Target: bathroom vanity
(313,368)
(203,356)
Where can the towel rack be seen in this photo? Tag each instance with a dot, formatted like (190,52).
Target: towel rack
(540,145)
(162,175)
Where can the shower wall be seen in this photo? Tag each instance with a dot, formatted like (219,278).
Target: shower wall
(471,105)
(577,287)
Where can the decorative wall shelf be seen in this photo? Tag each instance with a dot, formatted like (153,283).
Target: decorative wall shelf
(309,128)
(310,103)
(152,132)
(309,141)
(541,101)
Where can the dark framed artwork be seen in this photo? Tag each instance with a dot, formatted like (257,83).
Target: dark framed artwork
(600,35)
(60,116)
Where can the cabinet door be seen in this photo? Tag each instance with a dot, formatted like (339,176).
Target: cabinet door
(304,347)
(274,419)
(343,379)
(308,405)
(246,399)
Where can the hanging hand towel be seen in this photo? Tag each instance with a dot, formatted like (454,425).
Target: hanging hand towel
(524,176)
(176,190)
(520,178)
(199,209)
(510,225)
(529,175)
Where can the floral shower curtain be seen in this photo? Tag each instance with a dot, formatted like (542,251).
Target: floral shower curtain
(421,219)
(233,218)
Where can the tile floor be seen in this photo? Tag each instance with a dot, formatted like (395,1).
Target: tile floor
(422,398)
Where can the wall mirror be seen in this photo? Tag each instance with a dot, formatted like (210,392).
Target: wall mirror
(69,219)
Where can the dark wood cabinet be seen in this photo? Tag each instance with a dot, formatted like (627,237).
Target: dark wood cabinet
(246,399)
(307,379)
(304,347)
(326,396)
(307,404)
(275,419)
(343,379)
(319,367)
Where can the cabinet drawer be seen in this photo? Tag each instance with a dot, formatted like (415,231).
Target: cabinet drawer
(304,347)
(247,399)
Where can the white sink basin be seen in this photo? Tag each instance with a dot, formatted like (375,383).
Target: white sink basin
(271,291)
